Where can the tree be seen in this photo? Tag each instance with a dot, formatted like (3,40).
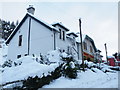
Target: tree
(7,28)
(12,26)
(17,22)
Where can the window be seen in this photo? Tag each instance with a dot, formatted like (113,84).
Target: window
(18,56)
(63,35)
(20,40)
(60,33)
(85,45)
(91,50)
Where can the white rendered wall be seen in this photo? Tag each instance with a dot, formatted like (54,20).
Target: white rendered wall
(64,44)
(13,48)
(41,38)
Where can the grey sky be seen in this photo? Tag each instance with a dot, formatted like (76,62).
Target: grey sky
(99,19)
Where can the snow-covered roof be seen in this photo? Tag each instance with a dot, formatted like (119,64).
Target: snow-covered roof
(22,21)
(60,24)
(110,56)
(44,22)
(72,33)
(69,37)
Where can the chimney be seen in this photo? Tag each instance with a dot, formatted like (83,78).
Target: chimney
(31,9)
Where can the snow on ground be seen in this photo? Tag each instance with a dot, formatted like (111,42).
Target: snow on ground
(29,67)
(3,53)
(87,79)
(0,55)
(53,56)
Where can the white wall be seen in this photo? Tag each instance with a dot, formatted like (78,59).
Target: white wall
(63,44)
(42,39)
(14,49)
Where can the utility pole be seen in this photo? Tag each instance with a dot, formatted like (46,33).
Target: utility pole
(81,43)
(106,52)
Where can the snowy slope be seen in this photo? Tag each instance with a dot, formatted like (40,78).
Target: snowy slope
(87,79)
(29,67)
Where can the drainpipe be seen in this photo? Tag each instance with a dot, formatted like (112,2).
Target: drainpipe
(54,39)
(29,35)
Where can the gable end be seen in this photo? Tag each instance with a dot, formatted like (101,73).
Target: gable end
(20,24)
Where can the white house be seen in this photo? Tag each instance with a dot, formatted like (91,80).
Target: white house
(34,36)
(90,52)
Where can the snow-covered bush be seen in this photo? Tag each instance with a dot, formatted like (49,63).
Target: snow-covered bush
(69,68)
(7,63)
(17,63)
(53,56)
(37,82)
(101,66)
(90,64)
(42,59)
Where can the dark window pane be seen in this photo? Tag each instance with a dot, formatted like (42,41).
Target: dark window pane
(63,35)
(20,40)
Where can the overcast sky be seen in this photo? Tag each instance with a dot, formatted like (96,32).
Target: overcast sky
(99,19)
